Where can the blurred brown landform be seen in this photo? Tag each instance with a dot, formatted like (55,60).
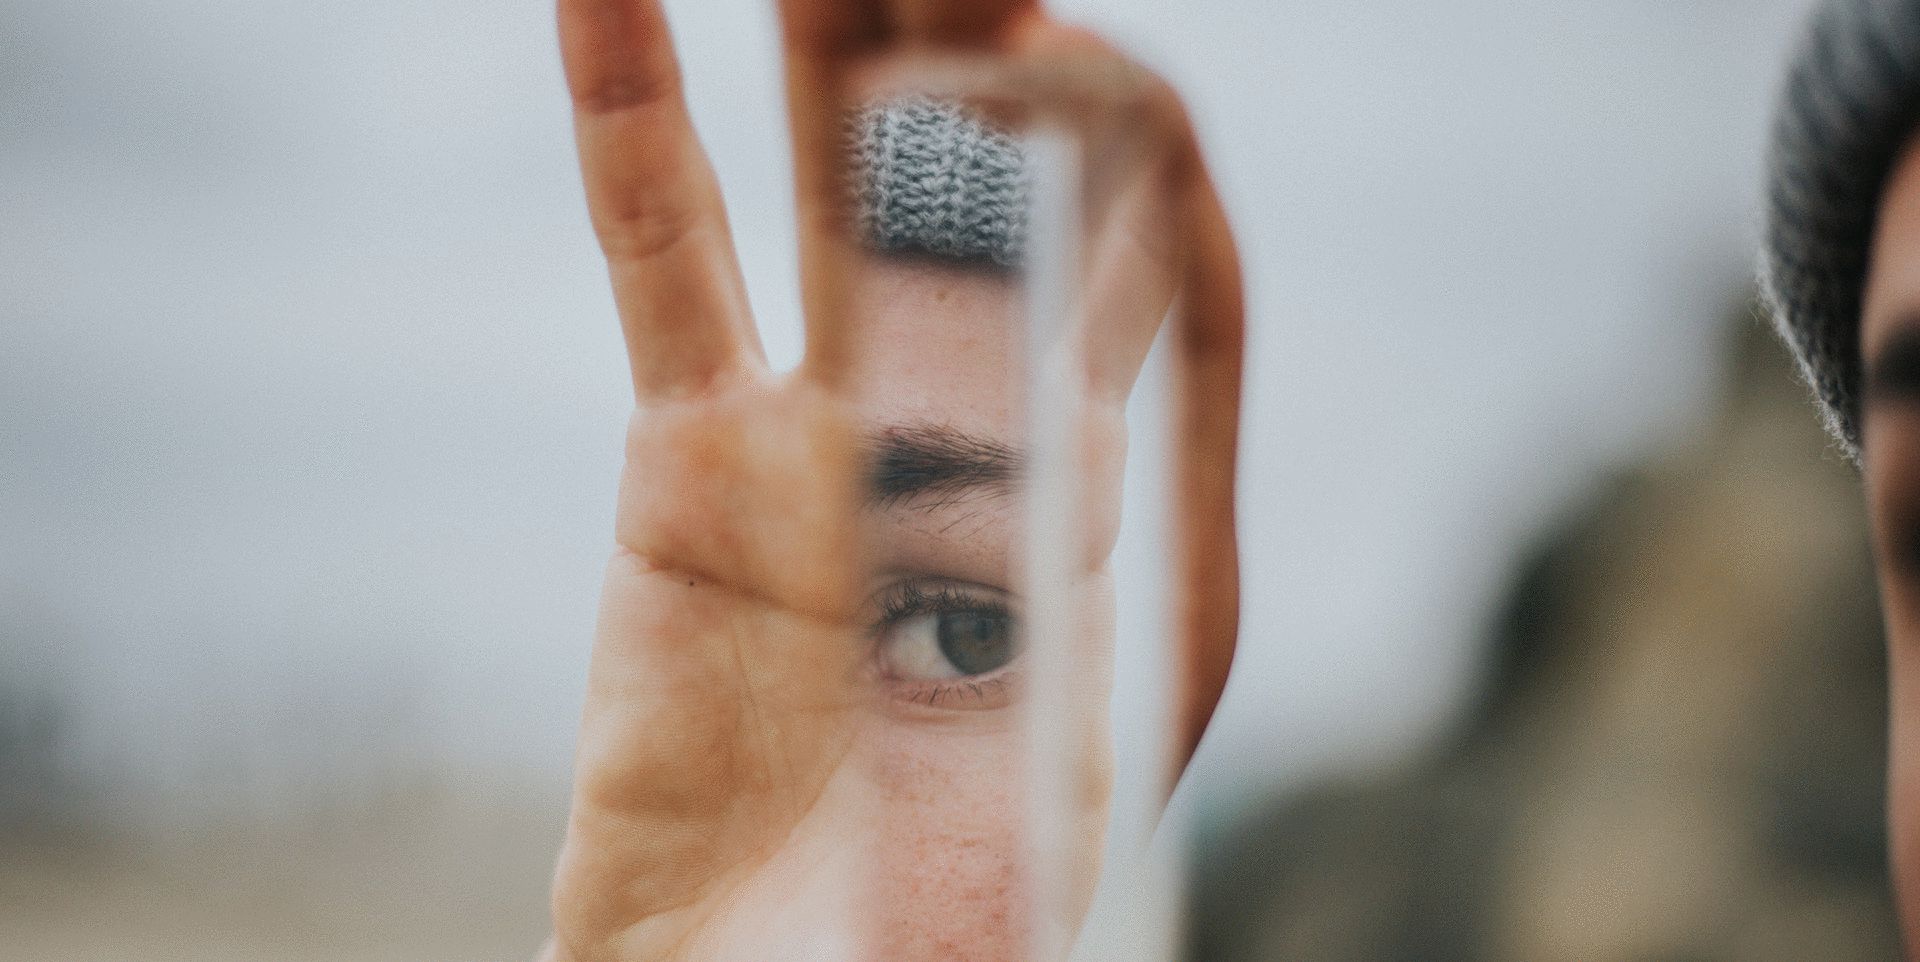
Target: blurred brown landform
(1676,755)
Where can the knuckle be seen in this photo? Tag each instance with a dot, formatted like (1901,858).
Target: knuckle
(635,231)
(628,90)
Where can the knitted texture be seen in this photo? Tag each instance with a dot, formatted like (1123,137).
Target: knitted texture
(1850,103)
(930,177)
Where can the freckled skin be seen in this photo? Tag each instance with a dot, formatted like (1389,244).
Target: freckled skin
(936,343)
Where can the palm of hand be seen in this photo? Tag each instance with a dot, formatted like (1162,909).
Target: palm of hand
(727,795)
(718,703)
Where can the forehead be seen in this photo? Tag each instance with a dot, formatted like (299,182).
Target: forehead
(932,351)
(936,343)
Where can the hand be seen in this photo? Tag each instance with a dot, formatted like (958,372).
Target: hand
(798,739)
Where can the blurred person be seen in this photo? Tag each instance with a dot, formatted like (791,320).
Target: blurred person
(801,706)
(1842,274)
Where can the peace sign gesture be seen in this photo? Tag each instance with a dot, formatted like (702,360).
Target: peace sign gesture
(797,740)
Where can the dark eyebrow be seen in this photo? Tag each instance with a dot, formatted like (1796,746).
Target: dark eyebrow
(1894,373)
(914,460)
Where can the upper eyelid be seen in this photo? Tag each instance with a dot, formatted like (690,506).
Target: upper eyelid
(932,583)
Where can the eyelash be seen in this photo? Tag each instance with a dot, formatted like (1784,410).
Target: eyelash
(940,694)
(914,598)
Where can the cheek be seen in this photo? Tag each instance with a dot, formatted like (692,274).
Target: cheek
(1903,775)
(1892,498)
(946,883)
(945,880)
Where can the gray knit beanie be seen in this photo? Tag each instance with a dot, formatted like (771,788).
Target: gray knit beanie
(930,177)
(1850,105)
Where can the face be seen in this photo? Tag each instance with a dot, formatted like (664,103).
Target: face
(942,747)
(940,744)
(1890,444)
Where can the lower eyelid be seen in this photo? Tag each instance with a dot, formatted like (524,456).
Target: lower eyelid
(987,691)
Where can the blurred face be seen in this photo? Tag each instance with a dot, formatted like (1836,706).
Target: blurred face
(1890,349)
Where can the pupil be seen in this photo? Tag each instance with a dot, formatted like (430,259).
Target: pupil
(975,642)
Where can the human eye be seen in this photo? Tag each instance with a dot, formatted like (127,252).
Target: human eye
(945,643)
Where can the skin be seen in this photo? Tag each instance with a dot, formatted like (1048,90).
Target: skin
(1890,447)
(763,772)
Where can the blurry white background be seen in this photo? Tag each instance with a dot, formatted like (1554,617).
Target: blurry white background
(311,393)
